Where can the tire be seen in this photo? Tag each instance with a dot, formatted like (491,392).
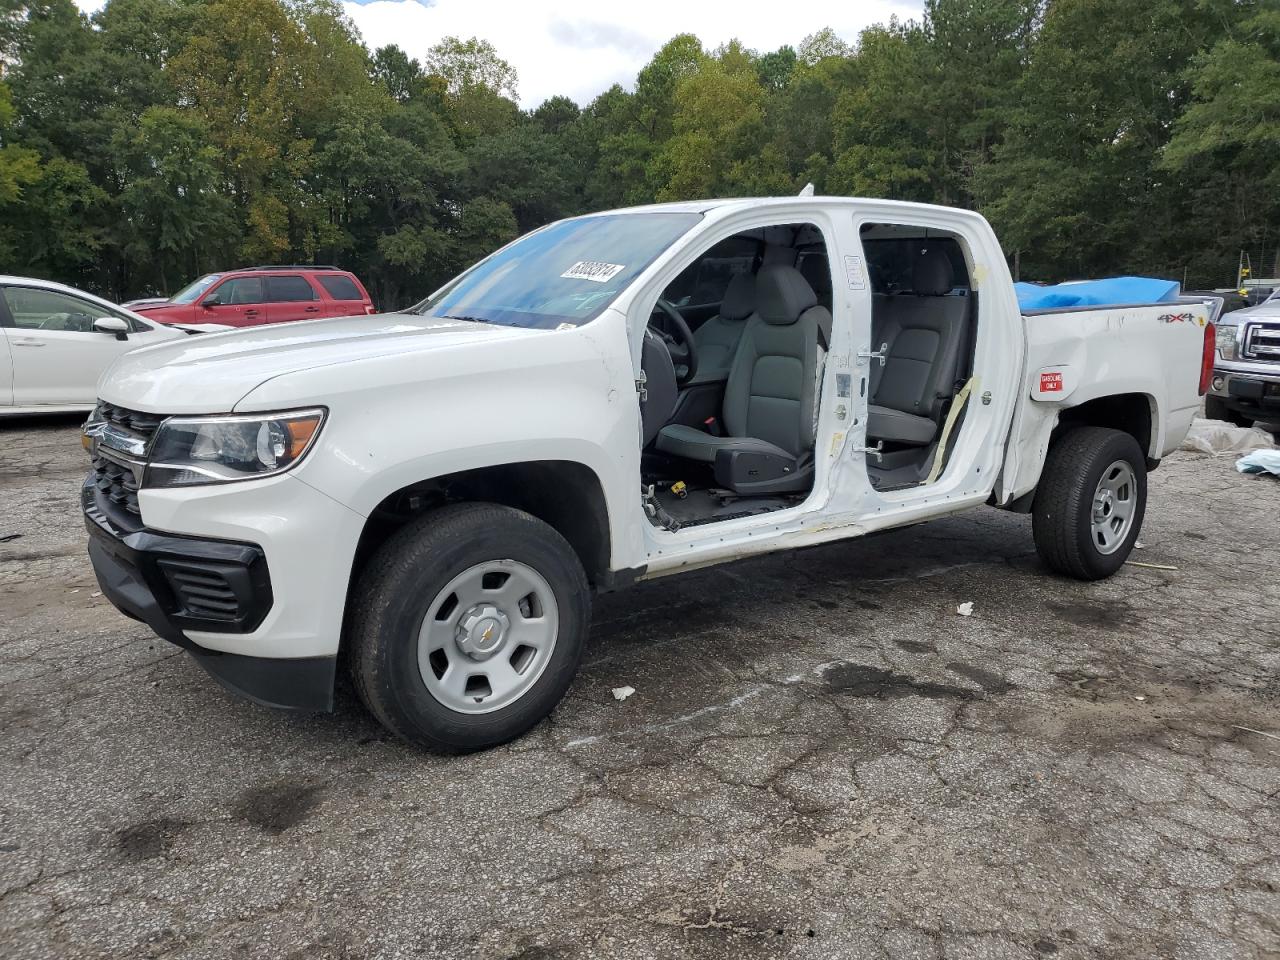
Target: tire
(1215,408)
(405,583)
(1063,514)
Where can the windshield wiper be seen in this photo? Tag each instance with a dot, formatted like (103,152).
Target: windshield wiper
(448,316)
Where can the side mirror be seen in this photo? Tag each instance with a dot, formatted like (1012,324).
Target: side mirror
(211,301)
(112,325)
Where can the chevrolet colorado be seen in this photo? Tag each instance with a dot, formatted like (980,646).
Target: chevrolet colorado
(436,493)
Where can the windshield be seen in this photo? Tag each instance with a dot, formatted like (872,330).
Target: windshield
(566,273)
(192,291)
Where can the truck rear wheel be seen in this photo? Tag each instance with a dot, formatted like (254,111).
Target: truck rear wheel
(467,626)
(1090,502)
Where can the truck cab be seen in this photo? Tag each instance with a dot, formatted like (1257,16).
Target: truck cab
(617,397)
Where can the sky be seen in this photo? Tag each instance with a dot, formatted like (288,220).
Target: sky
(580,51)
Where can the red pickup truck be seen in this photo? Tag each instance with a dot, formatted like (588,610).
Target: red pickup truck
(253,295)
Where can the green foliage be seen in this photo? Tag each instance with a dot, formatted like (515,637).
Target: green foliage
(159,139)
(465,64)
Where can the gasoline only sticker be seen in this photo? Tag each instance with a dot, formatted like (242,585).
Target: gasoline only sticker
(596,270)
(1050,383)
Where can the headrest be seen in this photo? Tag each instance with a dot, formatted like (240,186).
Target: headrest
(932,275)
(782,294)
(817,271)
(739,297)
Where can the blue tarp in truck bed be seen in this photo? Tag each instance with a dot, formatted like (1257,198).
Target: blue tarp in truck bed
(1115,291)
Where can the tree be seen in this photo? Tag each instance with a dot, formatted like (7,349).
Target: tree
(775,69)
(1074,189)
(160,138)
(821,45)
(176,218)
(466,64)
(400,75)
(718,125)
(679,58)
(1228,139)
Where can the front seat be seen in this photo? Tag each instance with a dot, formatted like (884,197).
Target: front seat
(923,330)
(769,398)
(815,268)
(717,339)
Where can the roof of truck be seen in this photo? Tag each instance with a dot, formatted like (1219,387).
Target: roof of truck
(702,206)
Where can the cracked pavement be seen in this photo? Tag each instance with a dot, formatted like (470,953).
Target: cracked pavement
(821,760)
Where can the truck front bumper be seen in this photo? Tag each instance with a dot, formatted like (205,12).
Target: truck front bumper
(1249,388)
(179,584)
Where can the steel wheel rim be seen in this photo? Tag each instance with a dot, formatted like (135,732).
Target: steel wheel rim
(1115,504)
(488,636)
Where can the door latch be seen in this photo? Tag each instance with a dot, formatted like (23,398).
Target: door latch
(986,398)
(640,386)
(877,451)
(882,355)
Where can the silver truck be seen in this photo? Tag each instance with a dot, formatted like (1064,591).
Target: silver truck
(1246,368)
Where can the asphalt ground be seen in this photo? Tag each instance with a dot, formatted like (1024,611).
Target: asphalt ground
(821,759)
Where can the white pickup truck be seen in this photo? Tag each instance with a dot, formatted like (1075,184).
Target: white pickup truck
(436,493)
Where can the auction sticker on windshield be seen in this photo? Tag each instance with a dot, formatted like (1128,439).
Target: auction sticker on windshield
(596,270)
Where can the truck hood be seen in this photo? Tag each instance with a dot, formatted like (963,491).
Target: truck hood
(211,373)
(1267,310)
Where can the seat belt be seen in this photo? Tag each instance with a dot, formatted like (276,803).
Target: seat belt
(965,359)
(952,416)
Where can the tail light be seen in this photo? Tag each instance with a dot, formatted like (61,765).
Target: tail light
(370,309)
(1206,358)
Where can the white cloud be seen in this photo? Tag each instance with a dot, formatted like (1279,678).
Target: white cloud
(580,52)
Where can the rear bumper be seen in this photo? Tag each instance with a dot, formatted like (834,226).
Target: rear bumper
(176,584)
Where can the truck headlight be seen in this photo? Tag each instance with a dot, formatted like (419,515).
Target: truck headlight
(195,450)
(1226,341)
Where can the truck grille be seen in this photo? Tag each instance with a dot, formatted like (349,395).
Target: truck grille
(117,482)
(141,424)
(1262,342)
(117,474)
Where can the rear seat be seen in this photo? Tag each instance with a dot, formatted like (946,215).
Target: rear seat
(923,330)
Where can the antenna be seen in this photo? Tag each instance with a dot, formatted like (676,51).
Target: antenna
(807,191)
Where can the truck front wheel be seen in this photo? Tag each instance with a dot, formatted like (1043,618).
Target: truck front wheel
(1090,502)
(467,626)
(1215,408)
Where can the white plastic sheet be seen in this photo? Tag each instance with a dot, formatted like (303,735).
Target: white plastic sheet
(1217,437)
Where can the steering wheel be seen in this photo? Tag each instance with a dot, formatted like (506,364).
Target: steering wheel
(684,352)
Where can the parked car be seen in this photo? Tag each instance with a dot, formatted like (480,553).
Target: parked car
(1246,370)
(440,490)
(255,295)
(55,341)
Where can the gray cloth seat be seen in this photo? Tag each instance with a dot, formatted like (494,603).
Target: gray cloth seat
(717,339)
(817,270)
(769,397)
(923,331)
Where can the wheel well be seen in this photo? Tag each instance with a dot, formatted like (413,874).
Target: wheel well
(1130,412)
(566,495)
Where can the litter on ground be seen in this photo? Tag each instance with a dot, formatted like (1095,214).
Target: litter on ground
(965,609)
(621,693)
(1260,461)
(1216,437)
